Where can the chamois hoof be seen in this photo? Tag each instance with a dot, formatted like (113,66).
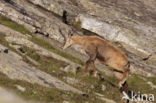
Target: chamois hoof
(95,74)
(121,89)
(120,85)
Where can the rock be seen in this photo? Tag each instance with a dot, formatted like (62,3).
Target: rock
(10,32)
(72,80)
(32,61)
(65,102)
(92,87)
(7,96)
(107,100)
(20,88)
(14,67)
(20,50)
(15,37)
(103,87)
(40,50)
(104,69)
(152,85)
(71,69)
(6,51)
(58,7)
(116,33)
(100,96)
(35,19)
(3,49)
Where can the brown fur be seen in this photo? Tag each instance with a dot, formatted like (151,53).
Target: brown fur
(104,52)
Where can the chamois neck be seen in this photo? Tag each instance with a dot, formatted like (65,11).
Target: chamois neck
(78,40)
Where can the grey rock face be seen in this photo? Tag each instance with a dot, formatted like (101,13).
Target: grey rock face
(20,88)
(117,34)
(20,39)
(14,67)
(131,23)
(71,69)
(35,19)
(7,96)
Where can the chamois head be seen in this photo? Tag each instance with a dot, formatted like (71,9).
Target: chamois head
(68,41)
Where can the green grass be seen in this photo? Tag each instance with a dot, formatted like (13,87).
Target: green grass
(152,79)
(11,24)
(49,47)
(136,84)
(5,43)
(77,25)
(2,40)
(44,94)
(47,64)
(111,91)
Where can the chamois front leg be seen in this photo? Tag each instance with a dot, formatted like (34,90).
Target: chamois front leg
(93,66)
(92,57)
(124,78)
(86,68)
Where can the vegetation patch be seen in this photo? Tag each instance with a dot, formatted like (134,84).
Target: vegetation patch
(20,28)
(44,94)
(136,84)
(52,66)
(11,24)
(49,47)
(152,79)
(5,43)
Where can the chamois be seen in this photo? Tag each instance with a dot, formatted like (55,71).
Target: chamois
(104,52)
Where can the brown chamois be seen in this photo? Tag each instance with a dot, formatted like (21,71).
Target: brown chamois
(104,52)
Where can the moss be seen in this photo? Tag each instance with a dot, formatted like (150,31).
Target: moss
(11,24)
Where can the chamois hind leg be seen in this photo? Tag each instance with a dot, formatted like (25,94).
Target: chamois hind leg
(94,69)
(92,57)
(124,77)
(86,67)
(90,61)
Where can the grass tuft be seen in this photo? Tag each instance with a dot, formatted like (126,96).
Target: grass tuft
(49,47)
(11,24)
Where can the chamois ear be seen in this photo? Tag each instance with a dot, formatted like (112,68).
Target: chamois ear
(70,34)
(65,36)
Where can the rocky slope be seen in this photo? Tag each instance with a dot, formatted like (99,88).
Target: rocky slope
(31,54)
(132,24)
